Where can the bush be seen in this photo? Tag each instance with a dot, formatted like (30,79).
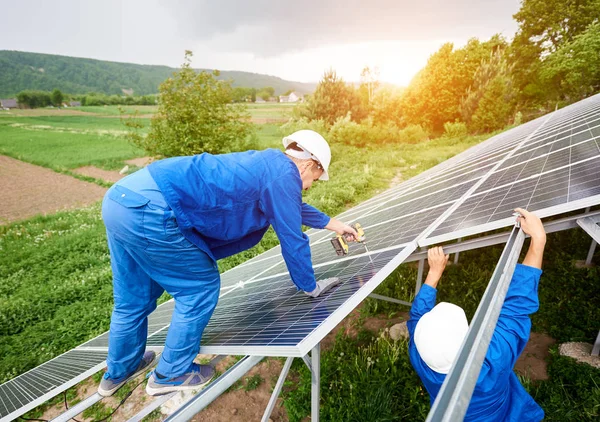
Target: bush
(413,134)
(293,125)
(195,115)
(345,131)
(455,130)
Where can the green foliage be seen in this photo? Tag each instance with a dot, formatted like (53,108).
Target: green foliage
(68,142)
(34,99)
(573,70)
(57,97)
(293,125)
(572,392)
(58,268)
(544,27)
(433,96)
(253,382)
(455,130)
(386,106)
(22,71)
(365,379)
(333,99)
(195,115)
(489,102)
(98,99)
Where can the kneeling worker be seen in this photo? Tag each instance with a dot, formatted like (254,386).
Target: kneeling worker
(167,225)
(437,332)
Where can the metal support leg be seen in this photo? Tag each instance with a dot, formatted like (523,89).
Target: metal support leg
(457,253)
(596,348)
(420,276)
(315,397)
(390,299)
(307,362)
(588,260)
(277,389)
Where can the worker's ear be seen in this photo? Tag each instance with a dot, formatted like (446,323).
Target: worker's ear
(305,166)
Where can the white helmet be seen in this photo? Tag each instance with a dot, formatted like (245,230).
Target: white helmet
(314,144)
(439,335)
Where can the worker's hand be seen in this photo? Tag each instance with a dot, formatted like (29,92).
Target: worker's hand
(344,229)
(532,225)
(437,263)
(324,286)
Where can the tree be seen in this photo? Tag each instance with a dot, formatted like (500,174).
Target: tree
(490,101)
(433,96)
(369,82)
(333,99)
(573,71)
(57,97)
(545,26)
(195,115)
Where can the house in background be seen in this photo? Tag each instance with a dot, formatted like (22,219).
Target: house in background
(8,104)
(75,104)
(294,97)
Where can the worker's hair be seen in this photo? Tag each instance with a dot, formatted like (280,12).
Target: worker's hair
(294,146)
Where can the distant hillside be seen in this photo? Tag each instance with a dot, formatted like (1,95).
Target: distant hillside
(20,70)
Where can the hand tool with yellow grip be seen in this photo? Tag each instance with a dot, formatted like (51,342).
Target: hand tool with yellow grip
(340,242)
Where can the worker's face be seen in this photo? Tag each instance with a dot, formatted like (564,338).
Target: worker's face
(309,172)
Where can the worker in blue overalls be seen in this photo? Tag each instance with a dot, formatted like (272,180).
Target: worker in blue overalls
(437,332)
(169,223)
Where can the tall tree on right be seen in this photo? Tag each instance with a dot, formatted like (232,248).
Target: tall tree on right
(545,26)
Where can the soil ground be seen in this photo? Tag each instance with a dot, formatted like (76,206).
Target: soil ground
(27,190)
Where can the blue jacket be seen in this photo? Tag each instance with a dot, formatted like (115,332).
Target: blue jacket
(224,204)
(498,394)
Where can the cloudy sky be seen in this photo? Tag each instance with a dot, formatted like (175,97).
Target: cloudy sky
(295,40)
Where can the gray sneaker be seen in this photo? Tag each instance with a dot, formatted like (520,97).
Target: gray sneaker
(196,379)
(108,387)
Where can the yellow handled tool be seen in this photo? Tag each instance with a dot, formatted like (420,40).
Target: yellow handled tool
(340,242)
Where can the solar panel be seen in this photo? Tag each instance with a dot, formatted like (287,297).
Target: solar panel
(555,171)
(548,165)
(34,387)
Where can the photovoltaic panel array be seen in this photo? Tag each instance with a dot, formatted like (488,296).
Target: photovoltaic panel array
(555,170)
(548,165)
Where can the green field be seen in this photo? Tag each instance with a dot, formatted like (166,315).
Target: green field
(56,292)
(60,146)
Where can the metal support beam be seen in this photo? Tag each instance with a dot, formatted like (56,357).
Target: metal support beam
(590,225)
(590,255)
(596,348)
(453,399)
(315,395)
(155,404)
(277,389)
(214,389)
(78,408)
(419,282)
(307,362)
(390,299)
(499,238)
(457,253)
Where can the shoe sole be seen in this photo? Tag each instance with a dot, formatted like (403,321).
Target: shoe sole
(108,393)
(174,388)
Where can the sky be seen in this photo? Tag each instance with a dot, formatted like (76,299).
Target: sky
(295,40)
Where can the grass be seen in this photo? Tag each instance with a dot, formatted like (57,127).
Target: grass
(113,110)
(61,151)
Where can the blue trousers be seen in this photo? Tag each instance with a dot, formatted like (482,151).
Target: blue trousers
(149,255)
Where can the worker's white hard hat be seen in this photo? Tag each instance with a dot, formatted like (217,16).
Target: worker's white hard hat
(439,335)
(314,144)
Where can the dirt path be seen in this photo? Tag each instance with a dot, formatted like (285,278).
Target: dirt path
(27,190)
